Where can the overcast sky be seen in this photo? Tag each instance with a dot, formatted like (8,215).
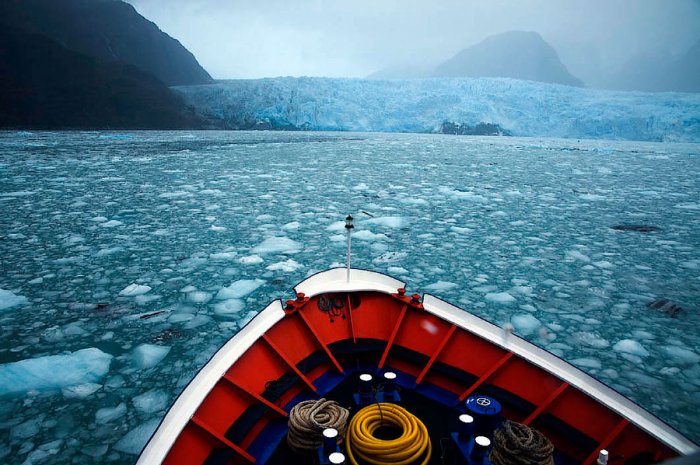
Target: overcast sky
(353,38)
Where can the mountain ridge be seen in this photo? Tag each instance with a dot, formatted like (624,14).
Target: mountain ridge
(109,30)
(43,85)
(513,54)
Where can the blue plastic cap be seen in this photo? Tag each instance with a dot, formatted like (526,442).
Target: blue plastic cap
(483,405)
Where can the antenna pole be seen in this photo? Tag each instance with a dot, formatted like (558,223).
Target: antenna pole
(348,227)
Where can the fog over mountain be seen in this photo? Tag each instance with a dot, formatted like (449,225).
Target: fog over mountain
(594,39)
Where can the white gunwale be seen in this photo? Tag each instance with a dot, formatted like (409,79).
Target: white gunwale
(335,280)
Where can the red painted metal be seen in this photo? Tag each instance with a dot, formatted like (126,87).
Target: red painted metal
(352,325)
(254,395)
(540,408)
(621,425)
(435,355)
(241,452)
(390,342)
(289,363)
(321,343)
(486,376)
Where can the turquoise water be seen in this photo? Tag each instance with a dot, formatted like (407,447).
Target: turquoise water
(150,249)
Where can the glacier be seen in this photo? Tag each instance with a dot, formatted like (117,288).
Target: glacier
(522,108)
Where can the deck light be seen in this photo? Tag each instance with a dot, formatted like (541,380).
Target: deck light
(336,458)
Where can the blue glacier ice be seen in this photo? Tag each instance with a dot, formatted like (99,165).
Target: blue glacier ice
(54,371)
(524,108)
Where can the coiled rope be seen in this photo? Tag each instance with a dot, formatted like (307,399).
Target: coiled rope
(309,418)
(408,448)
(517,444)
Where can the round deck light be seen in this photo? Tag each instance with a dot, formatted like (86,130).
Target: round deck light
(336,458)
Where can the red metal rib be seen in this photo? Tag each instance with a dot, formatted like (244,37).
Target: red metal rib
(436,354)
(394,332)
(352,325)
(208,429)
(256,396)
(320,342)
(486,375)
(606,442)
(543,405)
(289,363)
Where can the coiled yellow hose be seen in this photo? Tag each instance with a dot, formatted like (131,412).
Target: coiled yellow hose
(408,448)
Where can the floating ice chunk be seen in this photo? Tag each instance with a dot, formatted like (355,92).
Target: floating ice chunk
(197,321)
(396,270)
(29,428)
(576,255)
(9,300)
(54,371)
(277,245)
(338,238)
(367,235)
(223,256)
(239,289)
(107,414)
(336,226)
(217,228)
(525,323)
(459,230)
(111,224)
(441,286)
(603,264)
(173,195)
(80,391)
(147,356)
(151,401)
(500,297)
(462,195)
(287,266)
(630,346)
(590,363)
(199,297)
(387,221)
(264,217)
(134,290)
(589,339)
(228,307)
(99,219)
(250,260)
(691,264)
(593,197)
(135,440)
(293,226)
(681,356)
(108,251)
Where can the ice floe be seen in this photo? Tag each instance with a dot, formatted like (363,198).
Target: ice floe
(8,300)
(134,290)
(282,245)
(147,356)
(54,371)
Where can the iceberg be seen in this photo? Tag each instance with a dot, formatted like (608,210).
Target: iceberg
(147,356)
(9,300)
(519,108)
(54,371)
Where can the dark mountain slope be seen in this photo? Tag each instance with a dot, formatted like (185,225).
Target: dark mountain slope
(44,85)
(109,30)
(515,54)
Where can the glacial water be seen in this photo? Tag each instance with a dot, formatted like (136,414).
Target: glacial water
(127,259)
